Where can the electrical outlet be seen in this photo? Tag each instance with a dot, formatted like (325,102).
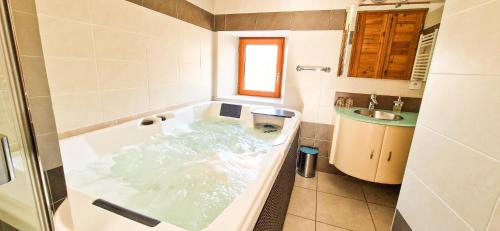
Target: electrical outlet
(415,85)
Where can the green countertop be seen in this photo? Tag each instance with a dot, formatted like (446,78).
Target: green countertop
(409,118)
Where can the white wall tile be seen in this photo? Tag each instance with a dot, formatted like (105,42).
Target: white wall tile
(455,149)
(423,211)
(42,115)
(189,52)
(461,107)
(7,116)
(71,75)
(162,96)
(190,73)
(70,9)
(452,171)
(495,219)
(160,25)
(458,6)
(78,110)
(63,38)
(122,103)
(479,40)
(129,46)
(118,14)
(118,74)
(110,59)
(48,147)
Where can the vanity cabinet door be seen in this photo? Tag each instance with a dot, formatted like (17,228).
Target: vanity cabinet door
(394,154)
(357,148)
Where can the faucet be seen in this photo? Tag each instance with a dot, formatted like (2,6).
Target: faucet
(373,102)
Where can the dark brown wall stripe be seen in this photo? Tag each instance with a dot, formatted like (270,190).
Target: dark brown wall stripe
(290,20)
(293,20)
(385,102)
(180,9)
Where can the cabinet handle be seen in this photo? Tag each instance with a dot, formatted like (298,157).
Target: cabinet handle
(371,155)
(390,155)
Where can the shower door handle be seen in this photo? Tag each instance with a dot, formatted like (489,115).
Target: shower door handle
(6,166)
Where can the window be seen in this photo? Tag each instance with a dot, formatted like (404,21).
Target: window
(260,67)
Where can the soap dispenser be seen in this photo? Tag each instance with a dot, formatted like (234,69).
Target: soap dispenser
(398,105)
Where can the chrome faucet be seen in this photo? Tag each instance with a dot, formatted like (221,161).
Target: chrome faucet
(373,102)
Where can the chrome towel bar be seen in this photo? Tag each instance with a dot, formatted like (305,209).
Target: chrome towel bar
(313,68)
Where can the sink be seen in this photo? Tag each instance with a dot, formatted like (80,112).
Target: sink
(380,115)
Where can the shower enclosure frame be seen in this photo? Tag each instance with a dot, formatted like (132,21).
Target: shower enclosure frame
(39,182)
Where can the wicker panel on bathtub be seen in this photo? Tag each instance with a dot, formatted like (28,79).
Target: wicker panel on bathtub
(272,216)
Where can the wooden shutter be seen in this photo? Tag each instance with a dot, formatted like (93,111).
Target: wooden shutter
(369,45)
(402,43)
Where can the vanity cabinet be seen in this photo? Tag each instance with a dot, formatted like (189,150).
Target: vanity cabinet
(369,151)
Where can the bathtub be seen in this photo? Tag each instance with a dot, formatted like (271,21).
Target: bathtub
(252,209)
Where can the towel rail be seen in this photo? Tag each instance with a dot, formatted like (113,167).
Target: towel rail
(313,68)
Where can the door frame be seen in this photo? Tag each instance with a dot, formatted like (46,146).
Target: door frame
(39,182)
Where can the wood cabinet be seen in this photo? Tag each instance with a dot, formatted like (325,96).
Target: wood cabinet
(385,43)
(371,152)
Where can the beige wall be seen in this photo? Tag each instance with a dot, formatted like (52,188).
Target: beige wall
(452,181)
(111,59)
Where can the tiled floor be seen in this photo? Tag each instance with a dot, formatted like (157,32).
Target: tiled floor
(332,202)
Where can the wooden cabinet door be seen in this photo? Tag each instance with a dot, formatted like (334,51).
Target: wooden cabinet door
(394,154)
(402,43)
(370,44)
(357,148)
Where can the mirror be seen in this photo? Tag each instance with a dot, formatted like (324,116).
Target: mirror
(389,41)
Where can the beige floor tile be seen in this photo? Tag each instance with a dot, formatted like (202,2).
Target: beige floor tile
(309,183)
(303,203)
(294,223)
(382,216)
(324,227)
(340,185)
(344,212)
(381,194)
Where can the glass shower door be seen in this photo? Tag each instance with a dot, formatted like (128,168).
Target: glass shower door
(22,203)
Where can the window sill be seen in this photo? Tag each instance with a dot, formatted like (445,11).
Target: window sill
(252,99)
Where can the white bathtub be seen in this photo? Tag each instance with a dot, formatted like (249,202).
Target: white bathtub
(241,214)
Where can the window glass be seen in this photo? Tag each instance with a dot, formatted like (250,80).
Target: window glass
(260,67)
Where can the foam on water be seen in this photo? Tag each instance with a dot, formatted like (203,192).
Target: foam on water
(185,177)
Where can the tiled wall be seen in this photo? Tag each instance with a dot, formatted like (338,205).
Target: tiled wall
(311,92)
(107,60)
(34,76)
(385,102)
(452,181)
(7,114)
(319,136)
